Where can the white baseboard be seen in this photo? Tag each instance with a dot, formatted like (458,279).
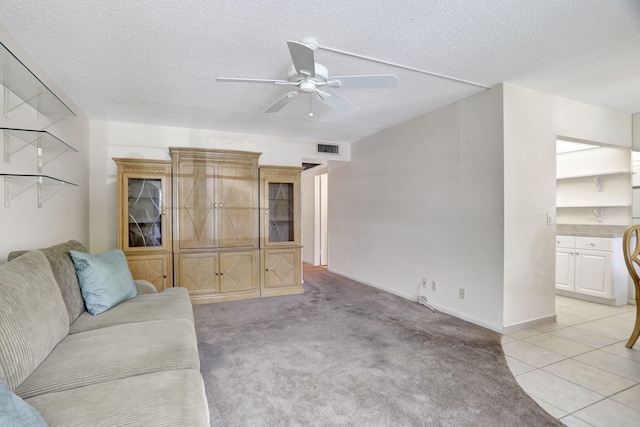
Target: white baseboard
(446,310)
(528,324)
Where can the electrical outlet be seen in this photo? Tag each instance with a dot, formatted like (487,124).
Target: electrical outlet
(462,293)
(434,285)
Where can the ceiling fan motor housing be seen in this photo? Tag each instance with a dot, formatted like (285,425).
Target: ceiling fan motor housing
(321,75)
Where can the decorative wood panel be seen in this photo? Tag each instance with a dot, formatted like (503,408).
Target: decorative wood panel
(239,271)
(237,206)
(196,205)
(198,272)
(281,268)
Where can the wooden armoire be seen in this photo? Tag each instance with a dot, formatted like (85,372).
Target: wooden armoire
(234,226)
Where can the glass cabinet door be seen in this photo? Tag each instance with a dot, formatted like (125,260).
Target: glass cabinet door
(280,204)
(281,212)
(145,201)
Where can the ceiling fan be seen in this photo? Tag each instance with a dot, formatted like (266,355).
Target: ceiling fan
(311,78)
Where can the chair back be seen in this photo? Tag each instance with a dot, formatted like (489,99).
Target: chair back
(631,250)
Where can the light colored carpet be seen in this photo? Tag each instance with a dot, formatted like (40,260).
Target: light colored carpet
(343,353)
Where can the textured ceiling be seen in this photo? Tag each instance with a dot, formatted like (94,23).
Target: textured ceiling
(155,62)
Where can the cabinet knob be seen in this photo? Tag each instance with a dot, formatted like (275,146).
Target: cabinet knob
(219,205)
(215,205)
(216,273)
(266,269)
(266,211)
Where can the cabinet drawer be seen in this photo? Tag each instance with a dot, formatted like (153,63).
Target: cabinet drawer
(595,243)
(565,241)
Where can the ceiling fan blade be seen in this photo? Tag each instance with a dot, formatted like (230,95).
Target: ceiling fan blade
(303,58)
(280,103)
(334,101)
(243,80)
(375,81)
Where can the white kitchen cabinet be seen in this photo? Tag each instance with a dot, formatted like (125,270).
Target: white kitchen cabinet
(565,269)
(591,268)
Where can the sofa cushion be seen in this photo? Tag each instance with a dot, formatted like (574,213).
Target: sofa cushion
(173,303)
(105,279)
(161,399)
(16,412)
(65,274)
(117,352)
(33,317)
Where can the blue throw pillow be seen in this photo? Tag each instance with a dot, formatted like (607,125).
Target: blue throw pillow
(105,279)
(15,412)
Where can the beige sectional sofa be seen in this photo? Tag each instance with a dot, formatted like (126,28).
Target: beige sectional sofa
(136,364)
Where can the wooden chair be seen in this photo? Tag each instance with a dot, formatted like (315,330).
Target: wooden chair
(631,256)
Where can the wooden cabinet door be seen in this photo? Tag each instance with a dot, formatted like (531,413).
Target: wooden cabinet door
(237,206)
(565,269)
(281,268)
(143,195)
(216,204)
(238,271)
(280,206)
(594,273)
(154,268)
(198,272)
(196,204)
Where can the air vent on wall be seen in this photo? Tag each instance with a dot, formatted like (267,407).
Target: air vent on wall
(328,148)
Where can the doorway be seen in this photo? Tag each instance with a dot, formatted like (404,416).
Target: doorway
(321,214)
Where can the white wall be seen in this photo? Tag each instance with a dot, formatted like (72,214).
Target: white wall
(532,122)
(461,196)
(425,199)
(636,131)
(115,139)
(65,215)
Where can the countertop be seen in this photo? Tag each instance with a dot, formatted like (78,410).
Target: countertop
(590,230)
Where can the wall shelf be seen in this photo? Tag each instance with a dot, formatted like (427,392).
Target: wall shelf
(48,147)
(601,205)
(46,186)
(18,79)
(593,175)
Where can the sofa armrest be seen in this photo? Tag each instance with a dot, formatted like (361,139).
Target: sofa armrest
(145,287)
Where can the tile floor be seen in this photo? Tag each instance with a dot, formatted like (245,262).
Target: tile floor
(578,368)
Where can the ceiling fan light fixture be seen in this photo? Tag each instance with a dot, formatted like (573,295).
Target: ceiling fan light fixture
(307,86)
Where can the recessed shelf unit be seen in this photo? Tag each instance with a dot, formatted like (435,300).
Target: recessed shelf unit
(48,146)
(594,186)
(19,80)
(46,186)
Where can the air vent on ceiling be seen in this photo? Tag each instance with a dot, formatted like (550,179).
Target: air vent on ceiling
(328,148)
